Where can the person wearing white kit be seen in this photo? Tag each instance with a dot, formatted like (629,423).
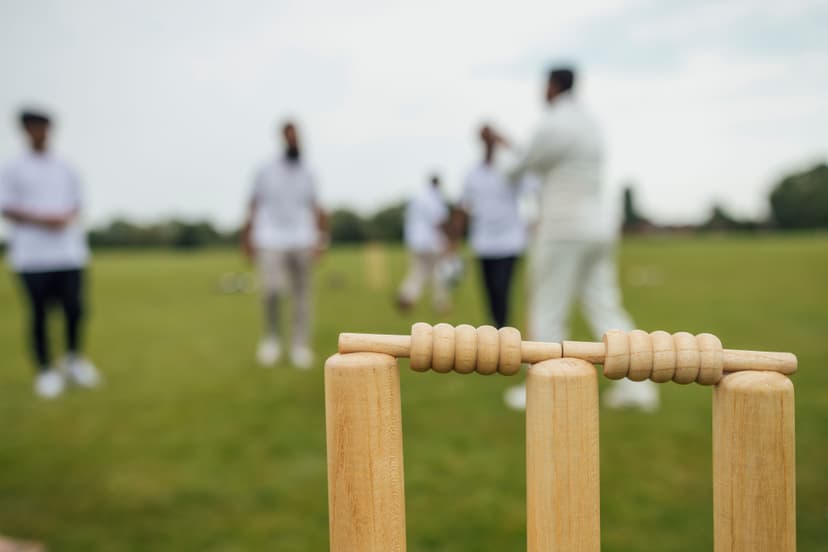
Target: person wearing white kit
(498,231)
(40,196)
(425,235)
(572,254)
(284,232)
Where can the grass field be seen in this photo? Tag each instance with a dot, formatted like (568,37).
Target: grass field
(191,446)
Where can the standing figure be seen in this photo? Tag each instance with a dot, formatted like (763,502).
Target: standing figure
(572,255)
(284,232)
(425,233)
(498,233)
(40,196)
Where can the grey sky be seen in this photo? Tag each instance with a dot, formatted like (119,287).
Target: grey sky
(166,107)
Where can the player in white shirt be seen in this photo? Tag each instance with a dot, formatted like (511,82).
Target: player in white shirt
(498,232)
(284,232)
(425,235)
(40,197)
(572,255)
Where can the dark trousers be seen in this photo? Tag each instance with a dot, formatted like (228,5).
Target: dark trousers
(44,289)
(497,278)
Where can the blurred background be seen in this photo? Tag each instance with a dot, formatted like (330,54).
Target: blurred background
(716,120)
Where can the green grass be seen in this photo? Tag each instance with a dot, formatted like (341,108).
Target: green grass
(191,446)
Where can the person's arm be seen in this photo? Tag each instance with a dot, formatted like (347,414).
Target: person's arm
(247,231)
(10,210)
(531,159)
(247,228)
(460,213)
(50,222)
(544,150)
(323,226)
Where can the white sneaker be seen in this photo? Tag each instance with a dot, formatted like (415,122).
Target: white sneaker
(81,372)
(269,352)
(515,397)
(301,357)
(642,395)
(49,384)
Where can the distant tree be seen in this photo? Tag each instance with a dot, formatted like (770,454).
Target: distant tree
(172,233)
(633,220)
(191,235)
(801,200)
(387,224)
(721,220)
(347,227)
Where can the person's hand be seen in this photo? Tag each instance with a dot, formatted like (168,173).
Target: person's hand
(500,139)
(58,222)
(321,247)
(247,249)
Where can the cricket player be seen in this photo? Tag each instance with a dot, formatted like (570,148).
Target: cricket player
(489,203)
(285,230)
(426,229)
(40,197)
(572,254)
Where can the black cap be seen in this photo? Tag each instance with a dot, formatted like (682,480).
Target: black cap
(29,116)
(563,77)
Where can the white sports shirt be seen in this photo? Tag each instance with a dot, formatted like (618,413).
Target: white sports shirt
(423,217)
(497,228)
(566,152)
(41,184)
(285,207)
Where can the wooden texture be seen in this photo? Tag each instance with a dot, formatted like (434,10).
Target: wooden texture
(488,350)
(585,350)
(664,356)
(394,345)
(465,349)
(562,461)
(711,359)
(687,358)
(510,343)
(421,347)
(442,359)
(617,360)
(754,503)
(637,355)
(366,497)
(641,355)
(533,352)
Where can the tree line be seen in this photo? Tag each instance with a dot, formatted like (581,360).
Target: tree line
(797,202)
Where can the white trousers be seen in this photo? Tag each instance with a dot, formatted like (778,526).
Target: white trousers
(563,272)
(422,269)
(286,273)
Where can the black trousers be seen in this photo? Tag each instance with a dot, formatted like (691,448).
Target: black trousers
(45,289)
(497,279)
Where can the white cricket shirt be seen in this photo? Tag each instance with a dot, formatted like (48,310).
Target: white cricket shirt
(566,153)
(424,215)
(41,184)
(491,200)
(285,207)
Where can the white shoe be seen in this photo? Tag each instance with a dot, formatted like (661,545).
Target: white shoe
(269,352)
(301,357)
(81,372)
(49,384)
(641,395)
(515,397)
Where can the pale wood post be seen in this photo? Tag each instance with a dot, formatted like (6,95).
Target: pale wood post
(366,496)
(562,463)
(754,483)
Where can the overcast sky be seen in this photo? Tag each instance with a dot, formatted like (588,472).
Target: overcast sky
(167,107)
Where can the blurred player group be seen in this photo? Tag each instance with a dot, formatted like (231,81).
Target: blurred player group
(571,244)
